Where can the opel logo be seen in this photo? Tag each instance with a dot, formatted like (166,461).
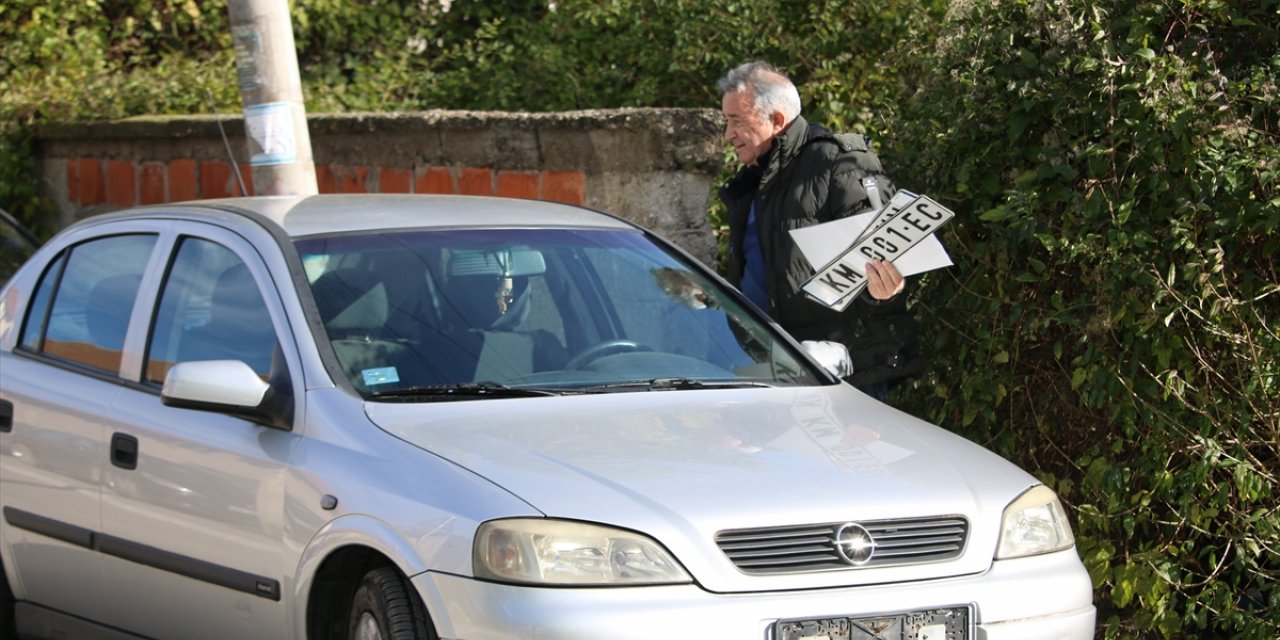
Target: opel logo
(854,544)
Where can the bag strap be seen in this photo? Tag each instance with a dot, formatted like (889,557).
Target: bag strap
(872,188)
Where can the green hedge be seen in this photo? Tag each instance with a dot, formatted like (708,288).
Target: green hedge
(1113,164)
(1116,164)
(87,59)
(67,60)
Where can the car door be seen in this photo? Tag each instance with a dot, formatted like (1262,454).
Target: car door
(194,500)
(57,385)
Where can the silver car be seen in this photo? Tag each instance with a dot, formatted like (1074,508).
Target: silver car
(411,417)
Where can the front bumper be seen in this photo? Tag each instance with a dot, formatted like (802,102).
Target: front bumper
(1046,597)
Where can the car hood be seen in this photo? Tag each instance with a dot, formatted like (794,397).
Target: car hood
(682,466)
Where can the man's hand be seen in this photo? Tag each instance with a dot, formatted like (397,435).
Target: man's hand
(884,281)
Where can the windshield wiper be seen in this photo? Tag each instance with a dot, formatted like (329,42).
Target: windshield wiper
(465,390)
(672,384)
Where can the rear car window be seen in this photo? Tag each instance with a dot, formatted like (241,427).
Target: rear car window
(83,302)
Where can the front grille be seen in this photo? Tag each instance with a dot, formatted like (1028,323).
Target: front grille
(803,548)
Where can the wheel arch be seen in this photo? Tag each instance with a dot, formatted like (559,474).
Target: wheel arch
(332,566)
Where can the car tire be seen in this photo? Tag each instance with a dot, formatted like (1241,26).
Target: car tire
(386,607)
(8,625)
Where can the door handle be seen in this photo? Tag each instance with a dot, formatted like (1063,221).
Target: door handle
(124,451)
(6,416)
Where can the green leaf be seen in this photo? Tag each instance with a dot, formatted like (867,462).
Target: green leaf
(997,214)
(1124,211)
(1122,592)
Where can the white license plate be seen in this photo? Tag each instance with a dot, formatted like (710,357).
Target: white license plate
(836,284)
(899,202)
(951,623)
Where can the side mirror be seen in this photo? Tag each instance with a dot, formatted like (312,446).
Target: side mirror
(226,386)
(833,356)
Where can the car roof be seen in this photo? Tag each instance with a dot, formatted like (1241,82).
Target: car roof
(324,214)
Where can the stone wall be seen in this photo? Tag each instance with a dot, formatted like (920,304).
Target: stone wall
(655,167)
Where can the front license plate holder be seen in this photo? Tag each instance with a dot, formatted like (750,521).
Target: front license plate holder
(947,623)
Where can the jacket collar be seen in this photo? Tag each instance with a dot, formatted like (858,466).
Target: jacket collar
(786,146)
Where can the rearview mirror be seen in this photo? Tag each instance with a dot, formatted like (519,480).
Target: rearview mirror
(515,262)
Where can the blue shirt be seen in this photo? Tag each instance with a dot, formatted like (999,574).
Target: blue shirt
(753,273)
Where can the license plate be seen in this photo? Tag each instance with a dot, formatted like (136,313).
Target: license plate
(836,284)
(899,202)
(952,623)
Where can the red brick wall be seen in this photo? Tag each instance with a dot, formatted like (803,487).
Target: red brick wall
(655,167)
(123,183)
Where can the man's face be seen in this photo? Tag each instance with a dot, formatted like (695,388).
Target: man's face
(750,134)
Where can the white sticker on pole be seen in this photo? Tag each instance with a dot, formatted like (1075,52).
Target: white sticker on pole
(271,136)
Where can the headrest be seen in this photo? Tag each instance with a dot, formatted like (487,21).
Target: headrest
(351,299)
(111,300)
(235,289)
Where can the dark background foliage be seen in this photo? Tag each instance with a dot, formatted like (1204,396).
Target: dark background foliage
(1117,165)
(1110,323)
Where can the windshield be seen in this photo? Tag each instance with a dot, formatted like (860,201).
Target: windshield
(408,312)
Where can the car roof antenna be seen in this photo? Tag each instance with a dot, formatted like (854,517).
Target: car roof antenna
(234,167)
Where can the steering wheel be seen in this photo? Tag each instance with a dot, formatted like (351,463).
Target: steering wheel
(602,349)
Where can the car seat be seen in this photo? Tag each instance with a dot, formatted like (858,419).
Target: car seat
(107,310)
(353,307)
(239,326)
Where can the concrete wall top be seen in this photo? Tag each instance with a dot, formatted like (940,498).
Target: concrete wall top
(618,139)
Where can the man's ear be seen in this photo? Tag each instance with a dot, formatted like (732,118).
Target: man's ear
(778,121)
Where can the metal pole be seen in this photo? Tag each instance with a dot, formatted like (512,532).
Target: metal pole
(275,117)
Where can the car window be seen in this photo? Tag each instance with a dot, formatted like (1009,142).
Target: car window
(569,309)
(667,308)
(38,310)
(210,309)
(92,290)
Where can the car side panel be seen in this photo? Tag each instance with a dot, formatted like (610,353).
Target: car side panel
(207,498)
(198,524)
(50,473)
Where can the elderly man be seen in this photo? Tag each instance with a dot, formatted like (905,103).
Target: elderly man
(795,174)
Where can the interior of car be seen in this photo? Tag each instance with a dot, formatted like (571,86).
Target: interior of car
(525,307)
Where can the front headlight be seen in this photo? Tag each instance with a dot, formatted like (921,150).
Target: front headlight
(1034,523)
(565,553)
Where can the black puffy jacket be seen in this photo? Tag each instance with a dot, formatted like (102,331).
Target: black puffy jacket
(811,176)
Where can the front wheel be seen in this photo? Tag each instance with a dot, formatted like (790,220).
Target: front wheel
(8,626)
(386,607)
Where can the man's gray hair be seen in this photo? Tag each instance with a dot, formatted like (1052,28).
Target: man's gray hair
(772,90)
